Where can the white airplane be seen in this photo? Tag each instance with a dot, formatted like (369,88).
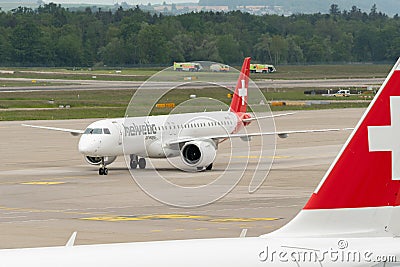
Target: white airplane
(192,136)
(351,219)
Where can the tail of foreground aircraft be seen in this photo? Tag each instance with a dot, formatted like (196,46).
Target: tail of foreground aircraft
(239,99)
(359,194)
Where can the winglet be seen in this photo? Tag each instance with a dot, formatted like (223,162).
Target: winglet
(243,233)
(239,100)
(71,240)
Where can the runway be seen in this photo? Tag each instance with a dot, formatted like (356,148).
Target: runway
(48,191)
(109,85)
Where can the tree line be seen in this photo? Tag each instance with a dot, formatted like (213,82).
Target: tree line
(55,36)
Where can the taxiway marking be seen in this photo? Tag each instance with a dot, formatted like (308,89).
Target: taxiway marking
(42,183)
(176,216)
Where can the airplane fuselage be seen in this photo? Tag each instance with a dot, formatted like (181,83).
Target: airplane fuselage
(252,251)
(148,136)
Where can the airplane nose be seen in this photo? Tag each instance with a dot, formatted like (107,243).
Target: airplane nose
(88,146)
(83,147)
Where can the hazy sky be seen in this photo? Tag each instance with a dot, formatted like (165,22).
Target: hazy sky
(130,2)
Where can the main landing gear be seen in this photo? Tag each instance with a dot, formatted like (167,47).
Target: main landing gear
(207,168)
(136,161)
(103,169)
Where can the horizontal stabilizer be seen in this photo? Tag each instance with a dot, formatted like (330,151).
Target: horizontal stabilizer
(267,117)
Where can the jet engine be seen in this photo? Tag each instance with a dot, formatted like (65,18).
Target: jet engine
(97,160)
(198,153)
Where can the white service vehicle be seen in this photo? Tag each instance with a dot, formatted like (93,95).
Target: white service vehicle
(342,93)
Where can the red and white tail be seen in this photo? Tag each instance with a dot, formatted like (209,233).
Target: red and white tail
(360,193)
(239,99)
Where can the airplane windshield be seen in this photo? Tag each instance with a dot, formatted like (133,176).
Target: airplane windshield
(93,131)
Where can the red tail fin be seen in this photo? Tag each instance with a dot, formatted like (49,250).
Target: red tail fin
(359,195)
(239,100)
(367,171)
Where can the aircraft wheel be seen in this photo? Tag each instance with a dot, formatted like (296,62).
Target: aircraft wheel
(103,171)
(133,164)
(209,167)
(142,163)
(134,161)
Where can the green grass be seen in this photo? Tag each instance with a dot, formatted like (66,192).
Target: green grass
(76,76)
(113,103)
(327,106)
(62,114)
(98,98)
(28,83)
(142,74)
(298,94)
(327,72)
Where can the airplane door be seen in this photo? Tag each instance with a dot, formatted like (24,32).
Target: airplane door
(120,132)
(172,128)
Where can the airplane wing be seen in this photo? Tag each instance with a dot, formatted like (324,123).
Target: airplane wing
(71,131)
(267,117)
(247,136)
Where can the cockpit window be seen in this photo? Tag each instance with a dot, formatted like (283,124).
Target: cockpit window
(93,131)
(106,131)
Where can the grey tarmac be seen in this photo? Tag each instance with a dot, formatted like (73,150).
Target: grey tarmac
(47,191)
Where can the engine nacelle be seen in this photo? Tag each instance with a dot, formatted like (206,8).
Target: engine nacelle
(198,153)
(97,160)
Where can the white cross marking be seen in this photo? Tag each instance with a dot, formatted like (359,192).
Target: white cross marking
(243,91)
(387,138)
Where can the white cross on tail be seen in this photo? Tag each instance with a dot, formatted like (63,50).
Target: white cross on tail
(387,138)
(243,91)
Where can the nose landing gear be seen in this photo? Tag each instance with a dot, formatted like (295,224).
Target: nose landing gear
(103,170)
